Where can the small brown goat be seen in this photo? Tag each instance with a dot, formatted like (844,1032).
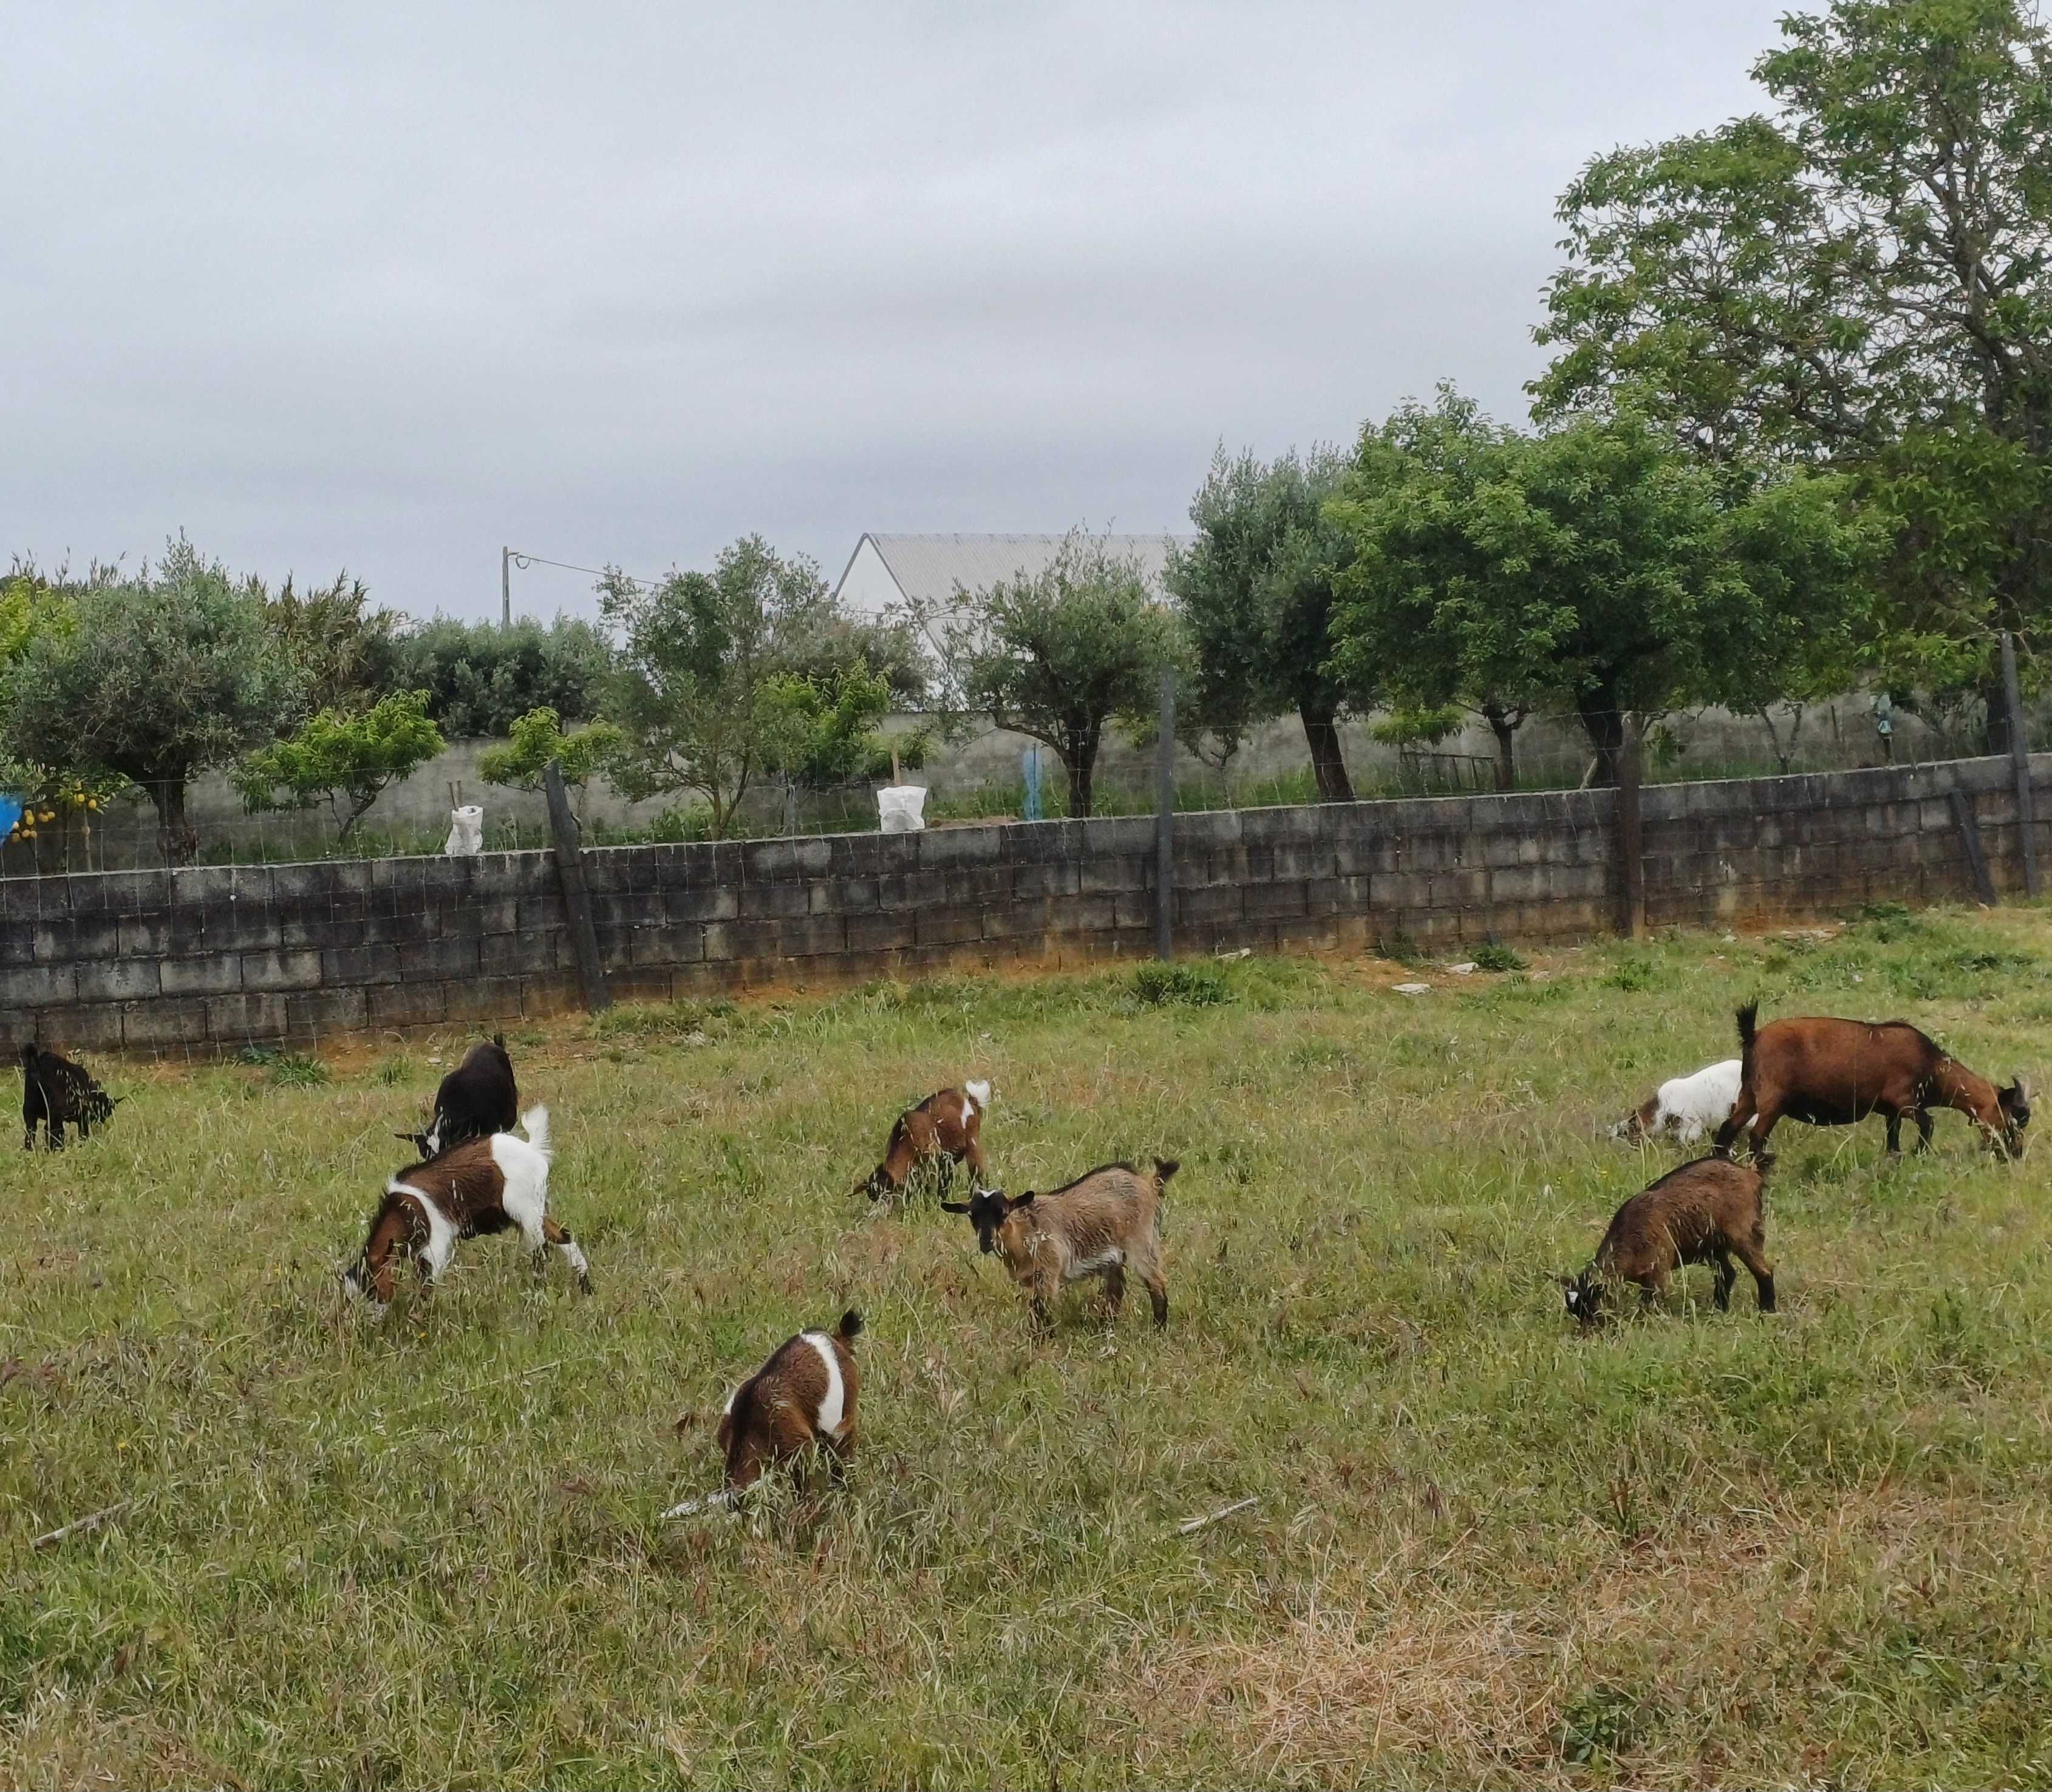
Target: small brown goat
(1706,1211)
(943,1130)
(1835,1072)
(1102,1224)
(472,1190)
(805,1394)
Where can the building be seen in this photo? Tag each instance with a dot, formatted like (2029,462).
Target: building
(887,572)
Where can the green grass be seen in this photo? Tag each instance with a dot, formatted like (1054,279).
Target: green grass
(1698,1548)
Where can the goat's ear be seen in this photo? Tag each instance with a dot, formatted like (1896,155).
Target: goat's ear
(954,1207)
(2023,1090)
(1025,1200)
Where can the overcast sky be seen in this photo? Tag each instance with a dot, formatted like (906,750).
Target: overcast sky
(386,288)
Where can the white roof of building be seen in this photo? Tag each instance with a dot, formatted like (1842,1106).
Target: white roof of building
(929,569)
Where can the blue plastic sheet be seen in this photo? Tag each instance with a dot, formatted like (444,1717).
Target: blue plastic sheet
(10,812)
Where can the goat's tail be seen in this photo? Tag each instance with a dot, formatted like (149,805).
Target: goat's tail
(850,1327)
(978,1093)
(499,1039)
(30,1051)
(1748,1025)
(536,1122)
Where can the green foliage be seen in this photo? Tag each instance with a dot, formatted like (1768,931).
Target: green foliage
(153,680)
(481,679)
(295,1069)
(1256,590)
(341,649)
(820,731)
(1864,278)
(1493,955)
(1186,984)
(1408,726)
(345,760)
(538,736)
(1601,570)
(1056,655)
(703,698)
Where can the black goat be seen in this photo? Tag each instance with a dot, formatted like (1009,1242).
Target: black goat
(57,1093)
(477,1099)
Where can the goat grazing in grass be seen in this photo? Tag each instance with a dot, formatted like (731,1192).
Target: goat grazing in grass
(1706,1211)
(57,1093)
(476,1099)
(1684,1109)
(1102,1224)
(1835,1072)
(944,1130)
(805,1395)
(480,1187)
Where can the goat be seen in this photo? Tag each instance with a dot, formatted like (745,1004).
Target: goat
(805,1395)
(1835,1072)
(1706,1211)
(1102,1224)
(1684,1108)
(943,1130)
(57,1093)
(476,1099)
(470,1190)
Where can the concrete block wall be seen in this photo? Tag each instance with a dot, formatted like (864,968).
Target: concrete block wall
(209,958)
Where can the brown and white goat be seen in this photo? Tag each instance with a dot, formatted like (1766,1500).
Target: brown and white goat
(1103,1223)
(805,1395)
(477,1098)
(1706,1211)
(1835,1072)
(480,1186)
(944,1130)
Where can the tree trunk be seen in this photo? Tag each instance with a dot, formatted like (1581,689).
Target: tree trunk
(177,838)
(1505,731)
(1604,724)
(1327,762)
(1994,727)
(1081,764)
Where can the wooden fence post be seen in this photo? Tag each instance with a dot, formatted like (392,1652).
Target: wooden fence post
(1631,834)
(2019,763)
(577,898)
(1164,821)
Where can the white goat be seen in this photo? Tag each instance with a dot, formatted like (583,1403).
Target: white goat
(1684,1109)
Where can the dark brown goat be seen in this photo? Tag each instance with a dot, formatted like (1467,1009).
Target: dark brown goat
(805,1395)
(1103,1223)
(476,1099)
(1706,1211)
(56,1093)
(472,1190)
(1835,1072)
(944,1130)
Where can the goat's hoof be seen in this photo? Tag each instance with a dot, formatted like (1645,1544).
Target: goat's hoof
(584,1285)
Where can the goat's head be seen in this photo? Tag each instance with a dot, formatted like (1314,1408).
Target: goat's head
(878,1183)
(988,1210)
(1585,1297)
(2014,1104)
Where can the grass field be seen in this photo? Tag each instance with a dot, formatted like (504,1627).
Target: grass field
(1814,1548)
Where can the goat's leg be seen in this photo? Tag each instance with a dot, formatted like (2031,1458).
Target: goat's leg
(559,1235)
(1115,1292)
(1922,1116)
(1726,1275)
(1755,1259)
(1893,1117)
(977,1168)
(1742,1111)
(53,1131)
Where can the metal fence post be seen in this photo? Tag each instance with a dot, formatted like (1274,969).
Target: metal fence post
(1164,821)
(577,898)
(2019,761)
(1632,833)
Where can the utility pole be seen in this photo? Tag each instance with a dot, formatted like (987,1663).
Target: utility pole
(506,587)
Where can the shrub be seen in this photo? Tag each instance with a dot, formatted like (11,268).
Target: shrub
(1493,955)
(1193,986)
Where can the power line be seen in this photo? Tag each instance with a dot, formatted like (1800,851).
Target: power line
(509,558)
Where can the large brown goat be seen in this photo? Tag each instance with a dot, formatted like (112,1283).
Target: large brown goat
(1834,1072)
(1706,1211)
(1102,1224)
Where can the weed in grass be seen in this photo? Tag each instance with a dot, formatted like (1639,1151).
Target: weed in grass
(392,1071)
(293,1070)
(1192,986)
(1634,974)
(255,1053)
(1493,955)
(1399,947)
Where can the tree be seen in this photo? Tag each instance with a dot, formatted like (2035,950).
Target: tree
(342,650)
(31,605)
(1601,569)
(1865,280)
(346,759)
(1256,590)
(697,697)
(1056,655)
(822,731)
(538,736)
(481,678)
(155,678)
